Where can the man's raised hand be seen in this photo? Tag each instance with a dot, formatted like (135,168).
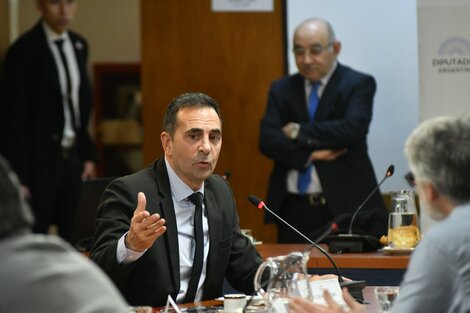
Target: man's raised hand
(145,228)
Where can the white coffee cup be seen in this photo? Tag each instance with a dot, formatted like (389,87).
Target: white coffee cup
(234,303)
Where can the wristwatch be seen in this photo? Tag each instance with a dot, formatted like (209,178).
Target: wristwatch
(294,131)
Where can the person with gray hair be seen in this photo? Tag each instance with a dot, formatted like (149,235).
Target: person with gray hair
(438,276)
(42,273)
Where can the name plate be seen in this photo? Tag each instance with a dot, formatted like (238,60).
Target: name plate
(317,288)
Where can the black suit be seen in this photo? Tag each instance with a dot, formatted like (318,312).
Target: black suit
(32,124)
(150,279)
(341,121)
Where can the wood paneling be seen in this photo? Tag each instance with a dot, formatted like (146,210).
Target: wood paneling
(233,57)
(368,260)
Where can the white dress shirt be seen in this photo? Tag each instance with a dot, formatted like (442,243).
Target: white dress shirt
(292,175)
(68,137)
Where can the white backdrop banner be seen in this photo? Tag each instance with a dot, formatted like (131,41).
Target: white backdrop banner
(444,57)
(444,62)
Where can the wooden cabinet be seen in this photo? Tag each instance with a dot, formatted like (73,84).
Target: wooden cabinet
(118,119)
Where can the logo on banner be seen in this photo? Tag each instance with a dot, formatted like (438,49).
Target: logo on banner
(453,56)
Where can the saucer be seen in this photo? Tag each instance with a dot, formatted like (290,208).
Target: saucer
(391,250)
(256,299)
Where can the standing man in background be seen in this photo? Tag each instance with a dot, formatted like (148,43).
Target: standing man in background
(315,129)
(44,115)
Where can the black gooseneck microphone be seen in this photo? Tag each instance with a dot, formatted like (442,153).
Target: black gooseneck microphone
(354,287)
(357,243)
(388,173)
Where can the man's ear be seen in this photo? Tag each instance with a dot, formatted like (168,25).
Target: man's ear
(430,191)
(434,194)
(165,138)
(337,47)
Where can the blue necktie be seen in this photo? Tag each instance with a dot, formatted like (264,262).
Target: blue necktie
(305,177)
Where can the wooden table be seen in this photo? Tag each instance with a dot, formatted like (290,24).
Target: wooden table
(371,306)
(369,260)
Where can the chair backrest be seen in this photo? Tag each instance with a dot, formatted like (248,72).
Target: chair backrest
(85,217)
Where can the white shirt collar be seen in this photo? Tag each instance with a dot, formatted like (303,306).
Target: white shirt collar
(51,35)
(179,189)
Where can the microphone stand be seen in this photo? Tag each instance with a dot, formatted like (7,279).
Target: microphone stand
(357,243)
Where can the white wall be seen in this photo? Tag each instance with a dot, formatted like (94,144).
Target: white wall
(378,37)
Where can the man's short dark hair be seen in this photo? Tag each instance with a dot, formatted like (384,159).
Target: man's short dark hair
(193,99)
(15,214)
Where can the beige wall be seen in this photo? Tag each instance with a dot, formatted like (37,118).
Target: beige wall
(4,28)
(112,27)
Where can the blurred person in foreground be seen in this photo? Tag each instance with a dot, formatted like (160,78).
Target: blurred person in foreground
(154,240)
(438,276)
(44,113)
(315,129)
(41,273)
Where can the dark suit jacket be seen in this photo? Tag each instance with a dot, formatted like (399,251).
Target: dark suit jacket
(32,113)
(341,121)
(153,277)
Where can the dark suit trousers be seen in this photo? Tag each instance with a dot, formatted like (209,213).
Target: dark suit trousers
(309,218)
(61,208)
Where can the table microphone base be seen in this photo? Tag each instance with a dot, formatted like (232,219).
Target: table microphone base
(355,288)
(352,243)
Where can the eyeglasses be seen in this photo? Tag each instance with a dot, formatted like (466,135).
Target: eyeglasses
(410,179)
(314,50)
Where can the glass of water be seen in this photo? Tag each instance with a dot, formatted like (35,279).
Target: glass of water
(385,296)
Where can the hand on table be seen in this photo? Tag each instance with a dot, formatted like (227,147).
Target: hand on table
(302,305)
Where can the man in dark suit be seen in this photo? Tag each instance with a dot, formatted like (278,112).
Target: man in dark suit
(44,115)
(146,237)
(315,129)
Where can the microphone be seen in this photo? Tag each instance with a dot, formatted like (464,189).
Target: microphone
(354,287)
(227,175)
(337,220)
(357,243)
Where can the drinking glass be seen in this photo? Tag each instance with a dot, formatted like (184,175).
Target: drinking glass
(385,296)
(403,223)
(403,230)
(403,201)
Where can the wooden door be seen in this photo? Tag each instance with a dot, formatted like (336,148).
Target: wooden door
(233,57)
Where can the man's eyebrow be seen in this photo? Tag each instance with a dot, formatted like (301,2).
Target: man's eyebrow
(195,130)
